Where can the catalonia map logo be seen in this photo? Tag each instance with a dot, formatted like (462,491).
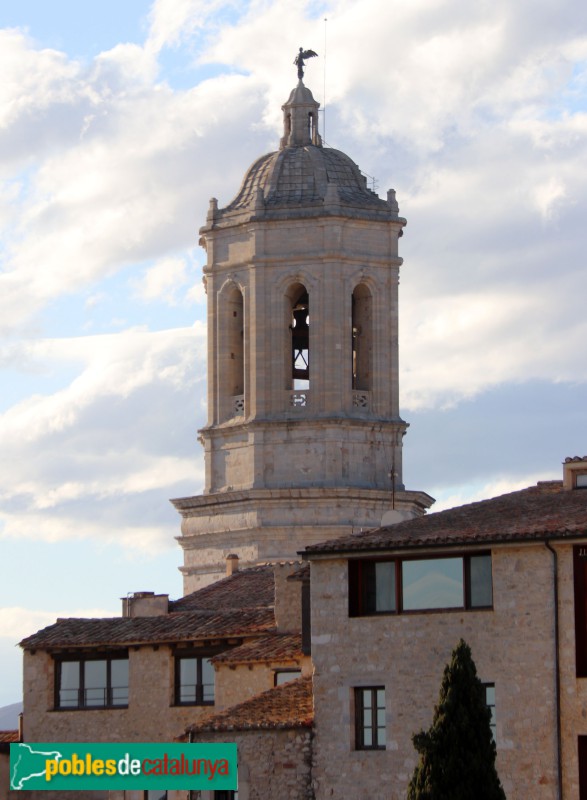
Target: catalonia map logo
(63,766)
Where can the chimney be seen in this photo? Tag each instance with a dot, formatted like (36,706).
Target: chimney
(231,564)
(145,604)
(575,472)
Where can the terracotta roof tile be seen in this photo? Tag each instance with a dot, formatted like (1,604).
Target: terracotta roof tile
(286,706)
(8,736)
(175,627)
(271,647)
(544,511)
(253,587)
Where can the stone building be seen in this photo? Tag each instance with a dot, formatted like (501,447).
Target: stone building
(155,671)
(509,576)
(304,434)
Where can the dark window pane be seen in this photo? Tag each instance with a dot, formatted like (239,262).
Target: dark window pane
(95,683)
(432,583)
(481,588)
(207,681)
(385,586)
(69,684)
(188,679)
(119,681)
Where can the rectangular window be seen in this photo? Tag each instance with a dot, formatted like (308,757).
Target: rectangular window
(100,682)
(154,794)
(370,718)
(285,675)
(580,586)
(490,703)
(419,584)
(194,680)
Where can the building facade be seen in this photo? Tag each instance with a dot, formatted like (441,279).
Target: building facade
(507,575)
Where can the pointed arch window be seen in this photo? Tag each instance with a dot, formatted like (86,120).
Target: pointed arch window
(362,333)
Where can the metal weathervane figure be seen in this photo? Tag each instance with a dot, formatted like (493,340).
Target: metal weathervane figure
(302,56)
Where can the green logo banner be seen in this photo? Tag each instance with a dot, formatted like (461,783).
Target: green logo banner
(85,766)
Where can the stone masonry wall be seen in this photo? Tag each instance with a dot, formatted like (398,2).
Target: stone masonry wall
(272,764)
(150,716)
(513,647)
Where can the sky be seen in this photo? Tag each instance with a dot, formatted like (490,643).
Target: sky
(118,122)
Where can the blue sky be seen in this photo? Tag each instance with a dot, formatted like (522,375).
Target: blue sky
(119,121)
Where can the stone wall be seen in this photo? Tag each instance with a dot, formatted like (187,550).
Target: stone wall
(150,716)
(513,646)
(272,764)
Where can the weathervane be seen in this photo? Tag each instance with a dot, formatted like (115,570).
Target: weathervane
(300,58)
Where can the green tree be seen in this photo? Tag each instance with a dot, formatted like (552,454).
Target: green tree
(457,753)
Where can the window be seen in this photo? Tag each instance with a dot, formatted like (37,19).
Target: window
(489,689)
(370,718)
(225,794)
(299,325)
(194,680)
(92,682)
(154,794)
(419,584)
(285,675)
(580,581)
(581,480)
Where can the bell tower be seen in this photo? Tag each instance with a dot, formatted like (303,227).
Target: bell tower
(303,441)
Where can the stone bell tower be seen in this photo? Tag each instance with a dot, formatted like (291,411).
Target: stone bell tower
(304,438)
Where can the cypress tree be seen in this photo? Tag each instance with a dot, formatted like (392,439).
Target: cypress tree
(457,753)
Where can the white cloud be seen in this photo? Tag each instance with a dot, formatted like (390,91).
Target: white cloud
(101,440)
(162,281)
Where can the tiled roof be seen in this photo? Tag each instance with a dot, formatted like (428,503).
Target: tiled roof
(175,627)
(8,736)
(270,647)
(286,706)
(544,511)
(248,588)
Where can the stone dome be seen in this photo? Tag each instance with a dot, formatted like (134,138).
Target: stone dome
(304,178)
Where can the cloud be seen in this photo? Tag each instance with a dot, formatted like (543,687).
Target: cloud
(162,281)
(99,441)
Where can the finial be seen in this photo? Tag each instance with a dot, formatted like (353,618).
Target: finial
(302,56)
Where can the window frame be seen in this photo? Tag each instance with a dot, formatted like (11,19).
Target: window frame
(360,726)
(199,657)
(580,599)
(359,588)
(82,659)
(278,674)
(491,707)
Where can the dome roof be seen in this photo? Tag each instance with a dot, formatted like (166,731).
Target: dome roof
(305,176)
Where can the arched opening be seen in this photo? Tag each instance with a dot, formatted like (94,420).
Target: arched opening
(231,377)
(362,332)
(298,362)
